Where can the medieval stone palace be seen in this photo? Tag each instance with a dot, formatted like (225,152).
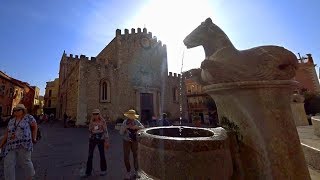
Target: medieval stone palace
(131,72)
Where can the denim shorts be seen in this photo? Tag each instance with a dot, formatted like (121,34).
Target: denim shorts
(20,157)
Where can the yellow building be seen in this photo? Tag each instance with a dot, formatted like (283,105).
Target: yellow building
(51,97)
(199,103)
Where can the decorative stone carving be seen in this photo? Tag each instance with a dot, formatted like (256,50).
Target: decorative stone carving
(297,98)
(298,112)
(253,91)
(224,63)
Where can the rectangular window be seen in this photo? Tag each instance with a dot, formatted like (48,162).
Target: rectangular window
(175,93)
(8,110)
(2,89)
(50,93)
(11,92)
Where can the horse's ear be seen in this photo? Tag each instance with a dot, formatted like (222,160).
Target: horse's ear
(208,20)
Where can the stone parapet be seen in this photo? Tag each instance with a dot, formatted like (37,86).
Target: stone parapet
(316,125)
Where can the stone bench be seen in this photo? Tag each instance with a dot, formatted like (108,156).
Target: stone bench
(316,124)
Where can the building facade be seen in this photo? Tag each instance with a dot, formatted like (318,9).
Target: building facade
(129,73)
(307,75)
(13,92)
(51,97)
(199,103)
(37,108)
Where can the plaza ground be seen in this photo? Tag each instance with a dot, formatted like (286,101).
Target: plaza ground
(62,154)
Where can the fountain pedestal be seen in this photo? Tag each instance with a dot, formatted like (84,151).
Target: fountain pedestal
(260,113)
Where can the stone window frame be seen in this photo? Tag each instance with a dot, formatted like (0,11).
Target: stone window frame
(2,89)
(104,85)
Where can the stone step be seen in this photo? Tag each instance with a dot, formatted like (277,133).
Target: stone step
(310,145)
(314,174)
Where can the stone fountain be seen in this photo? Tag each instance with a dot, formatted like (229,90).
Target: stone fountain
(253,92)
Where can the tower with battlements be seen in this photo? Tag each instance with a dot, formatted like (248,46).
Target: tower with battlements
(306,74)
(131,72)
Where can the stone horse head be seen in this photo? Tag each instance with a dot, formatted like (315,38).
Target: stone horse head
(224,63)
(208,35)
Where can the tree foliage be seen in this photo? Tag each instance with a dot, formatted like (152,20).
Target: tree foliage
(311,103)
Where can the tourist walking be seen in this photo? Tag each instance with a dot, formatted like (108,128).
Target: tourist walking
(164,121)
(128,130)
(65,118)
(18,142)
(98,135)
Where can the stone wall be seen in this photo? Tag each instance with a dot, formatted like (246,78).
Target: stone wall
(172,105)
(69,82)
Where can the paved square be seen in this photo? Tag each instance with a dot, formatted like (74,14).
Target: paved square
(62,154)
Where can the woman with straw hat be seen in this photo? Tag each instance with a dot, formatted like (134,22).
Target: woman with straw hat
(128,130)
(98,136)
(19,138)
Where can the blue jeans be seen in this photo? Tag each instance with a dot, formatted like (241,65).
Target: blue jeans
(21,157)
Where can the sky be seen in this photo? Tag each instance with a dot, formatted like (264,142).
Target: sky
(34,33)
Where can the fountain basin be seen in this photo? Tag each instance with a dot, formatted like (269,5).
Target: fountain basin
(181,152)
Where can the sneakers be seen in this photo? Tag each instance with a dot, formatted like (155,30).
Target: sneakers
(127,176)
(103,173)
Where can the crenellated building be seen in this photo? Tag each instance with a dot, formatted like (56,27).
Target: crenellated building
(307,75)
(129,73)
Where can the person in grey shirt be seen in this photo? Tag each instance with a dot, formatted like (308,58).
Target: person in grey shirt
(128,130)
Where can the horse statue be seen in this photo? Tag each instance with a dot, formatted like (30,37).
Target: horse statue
(224,63)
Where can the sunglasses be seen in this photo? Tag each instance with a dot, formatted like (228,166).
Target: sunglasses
(17,110)
(95,113)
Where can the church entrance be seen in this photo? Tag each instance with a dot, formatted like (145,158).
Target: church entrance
(146,106)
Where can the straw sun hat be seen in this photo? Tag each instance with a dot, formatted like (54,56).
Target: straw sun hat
(131,114)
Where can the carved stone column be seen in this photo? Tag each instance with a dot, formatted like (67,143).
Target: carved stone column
(298,111)
(260,113)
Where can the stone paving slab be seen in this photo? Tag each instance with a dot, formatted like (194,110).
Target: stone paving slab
(306,135)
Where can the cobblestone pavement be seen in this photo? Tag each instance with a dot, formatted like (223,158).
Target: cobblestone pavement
(62,153)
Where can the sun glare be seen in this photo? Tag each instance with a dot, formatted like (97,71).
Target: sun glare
(171,22)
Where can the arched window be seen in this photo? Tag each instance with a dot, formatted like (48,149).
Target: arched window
(105,91)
